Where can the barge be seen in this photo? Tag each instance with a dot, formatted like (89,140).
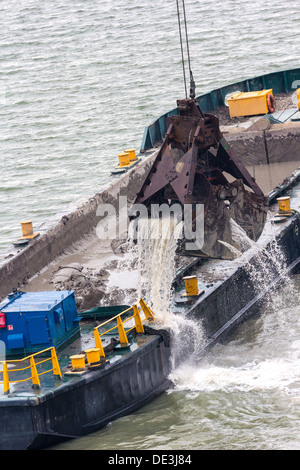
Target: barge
(96,376)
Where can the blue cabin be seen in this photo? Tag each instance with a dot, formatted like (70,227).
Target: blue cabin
(32,321)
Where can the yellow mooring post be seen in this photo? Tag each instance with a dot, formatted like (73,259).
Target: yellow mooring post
(34,375)
(132,155)
(284,204)
(191,285)
(285,210)
(5,378)
(123,159)
(121,330)
(92,355)
(27,230)
(78,361)
(138,321)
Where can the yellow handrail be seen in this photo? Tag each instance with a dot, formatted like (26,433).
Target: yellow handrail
(32,366)
(120,324)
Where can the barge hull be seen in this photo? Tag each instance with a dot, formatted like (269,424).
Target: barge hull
(85,405)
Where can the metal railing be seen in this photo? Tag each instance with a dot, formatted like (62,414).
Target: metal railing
(138,325)
(35,376)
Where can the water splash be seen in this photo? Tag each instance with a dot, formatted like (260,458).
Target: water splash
(266,357)
(262,264)
(232,248)
(156,252)
(240,237)
(156,247)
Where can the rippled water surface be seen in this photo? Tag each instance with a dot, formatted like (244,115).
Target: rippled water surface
(79,80)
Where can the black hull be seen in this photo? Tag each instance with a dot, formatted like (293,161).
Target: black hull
(81,407)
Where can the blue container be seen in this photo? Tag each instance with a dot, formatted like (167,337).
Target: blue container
(32,321)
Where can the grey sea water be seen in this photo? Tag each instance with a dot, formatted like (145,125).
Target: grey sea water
(79,80)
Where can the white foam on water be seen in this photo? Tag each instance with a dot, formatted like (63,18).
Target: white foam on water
(278,374)
(268,360)
(265,362)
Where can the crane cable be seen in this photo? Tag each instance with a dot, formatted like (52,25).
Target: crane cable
(181,46)
(192,83)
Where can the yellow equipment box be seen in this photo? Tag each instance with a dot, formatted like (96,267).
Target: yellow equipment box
(251,103)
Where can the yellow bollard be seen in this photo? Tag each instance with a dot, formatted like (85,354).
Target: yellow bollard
(92,355)
(124,159)
(298,97)
(27,228)
(191,285)
(78,361)
(132,155)
(284,204)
